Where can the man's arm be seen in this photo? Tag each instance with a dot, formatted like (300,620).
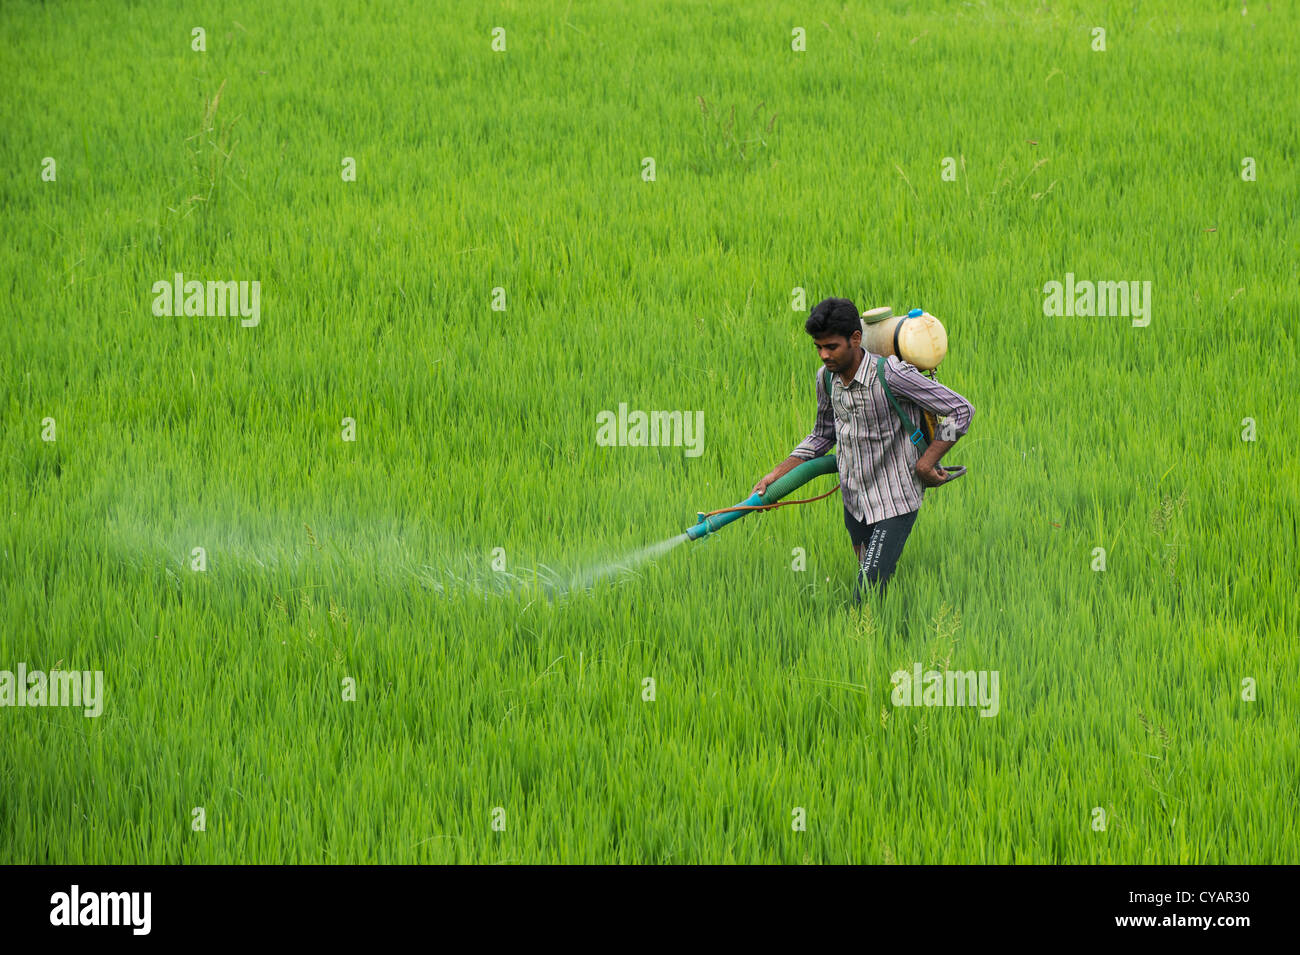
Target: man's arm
(820,440)
(905,380)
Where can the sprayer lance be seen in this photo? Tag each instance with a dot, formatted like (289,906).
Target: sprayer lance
(797,477)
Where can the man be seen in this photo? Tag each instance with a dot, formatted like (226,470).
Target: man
(882,473)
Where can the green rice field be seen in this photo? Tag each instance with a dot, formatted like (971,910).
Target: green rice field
(360,581)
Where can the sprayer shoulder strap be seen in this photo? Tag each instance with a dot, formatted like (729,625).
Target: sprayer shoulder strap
(914,434)
(827,376)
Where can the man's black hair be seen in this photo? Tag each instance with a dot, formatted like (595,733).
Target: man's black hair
(833,316)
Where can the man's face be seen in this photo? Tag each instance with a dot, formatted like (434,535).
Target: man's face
(837,352)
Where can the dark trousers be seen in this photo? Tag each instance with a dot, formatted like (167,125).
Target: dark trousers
(882,544)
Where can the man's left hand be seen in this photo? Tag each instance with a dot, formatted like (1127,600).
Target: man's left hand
(931,475)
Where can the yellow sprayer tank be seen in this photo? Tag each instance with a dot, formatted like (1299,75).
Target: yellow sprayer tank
(917,338)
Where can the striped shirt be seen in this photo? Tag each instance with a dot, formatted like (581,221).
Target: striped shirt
(877,462)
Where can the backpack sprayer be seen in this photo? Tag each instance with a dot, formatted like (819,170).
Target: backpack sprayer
(919,339)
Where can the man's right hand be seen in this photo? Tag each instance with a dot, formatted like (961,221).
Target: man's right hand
(781,470)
